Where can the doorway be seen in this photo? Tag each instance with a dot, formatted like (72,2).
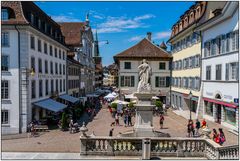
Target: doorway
(219,113)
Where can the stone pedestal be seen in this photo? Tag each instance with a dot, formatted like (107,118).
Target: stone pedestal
(143,126)
(144,115)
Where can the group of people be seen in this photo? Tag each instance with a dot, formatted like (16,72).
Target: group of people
(193,130)
(218,137)
(127,119)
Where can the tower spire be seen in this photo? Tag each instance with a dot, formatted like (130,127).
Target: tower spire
(96,36)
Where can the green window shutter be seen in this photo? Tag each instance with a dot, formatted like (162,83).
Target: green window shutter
(167,81)
(122,81)
(132,81)
(156,81)
(227,72)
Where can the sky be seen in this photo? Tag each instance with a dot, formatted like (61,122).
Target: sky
(123,24)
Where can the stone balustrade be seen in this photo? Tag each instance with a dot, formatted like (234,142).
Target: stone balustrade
(160,147)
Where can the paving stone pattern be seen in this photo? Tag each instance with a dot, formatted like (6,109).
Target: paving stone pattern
(58,141)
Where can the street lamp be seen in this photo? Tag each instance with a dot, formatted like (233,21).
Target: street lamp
(190,100)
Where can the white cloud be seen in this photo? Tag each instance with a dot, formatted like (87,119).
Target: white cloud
(121,24)
(98,17)
(135,38)
(161,35)
(109,30)
(62,18)
(143,17)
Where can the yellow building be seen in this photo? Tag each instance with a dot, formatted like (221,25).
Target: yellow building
(186,52)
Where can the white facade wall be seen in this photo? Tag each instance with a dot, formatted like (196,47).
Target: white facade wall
(13,104)
(134,72)
(12,75)
(42,76)
(227,89)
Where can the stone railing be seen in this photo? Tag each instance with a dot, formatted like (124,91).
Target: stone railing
(159,147)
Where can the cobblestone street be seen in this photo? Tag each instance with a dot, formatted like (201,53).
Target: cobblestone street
(58,141)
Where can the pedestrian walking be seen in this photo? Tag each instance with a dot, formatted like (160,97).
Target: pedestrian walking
(129,119)
(215,136)
(116,119)
(111,132)
(204,123)
(198,125)
(71,126)
(161,121)
(32,129)
(189,128)
(125,119)
(222,137)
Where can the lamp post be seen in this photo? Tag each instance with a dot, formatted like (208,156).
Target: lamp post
(190,100)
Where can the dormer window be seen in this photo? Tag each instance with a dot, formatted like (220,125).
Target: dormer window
(39,24)
(32,18)
(56,35)
(5,15)
(45,28)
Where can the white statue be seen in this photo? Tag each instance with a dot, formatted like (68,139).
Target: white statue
(145,72)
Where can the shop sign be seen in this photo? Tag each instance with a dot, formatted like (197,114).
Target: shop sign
(236,100)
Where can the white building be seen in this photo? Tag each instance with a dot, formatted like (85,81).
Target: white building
(159,60)
(220,66)
(33,65)
(80,41)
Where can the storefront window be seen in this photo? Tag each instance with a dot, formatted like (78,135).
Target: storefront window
(208,108)
(230,115)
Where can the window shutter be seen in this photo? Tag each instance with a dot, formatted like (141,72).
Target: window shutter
(227,71)
(132,81)
(170,65)
(237,74)
(122,81)
(167,81)
(156,81)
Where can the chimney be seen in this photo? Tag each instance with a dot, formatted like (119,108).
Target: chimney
(149,36)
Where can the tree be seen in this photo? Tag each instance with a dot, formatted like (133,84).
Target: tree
(64,121)
(114,105)
(159,105)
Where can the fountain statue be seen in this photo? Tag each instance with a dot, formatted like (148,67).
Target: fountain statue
(143,126)
(145,72)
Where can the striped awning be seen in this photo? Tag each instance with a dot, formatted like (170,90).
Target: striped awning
(50,104)
(221,102)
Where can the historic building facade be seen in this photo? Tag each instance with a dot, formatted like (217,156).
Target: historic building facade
(220,65)
(79,39)
(33,64)
(98,64)
(186,52)
(73,77)
(159,60)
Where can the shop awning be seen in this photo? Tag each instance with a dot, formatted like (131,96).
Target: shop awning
(69,98)
(51,105)
(220,102)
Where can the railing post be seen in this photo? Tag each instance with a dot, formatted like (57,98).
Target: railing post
(83,140)
(146,149)
(217,154)
(83,146)
(180,152)
(110,147)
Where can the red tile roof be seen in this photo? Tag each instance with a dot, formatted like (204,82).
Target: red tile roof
(16,15)
(143,49)
(72,32)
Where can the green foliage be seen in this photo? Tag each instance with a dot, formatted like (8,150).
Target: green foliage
(159,105)
(131,105)
(114,105)
(64,121)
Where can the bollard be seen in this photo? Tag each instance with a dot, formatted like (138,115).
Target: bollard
(146,146)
